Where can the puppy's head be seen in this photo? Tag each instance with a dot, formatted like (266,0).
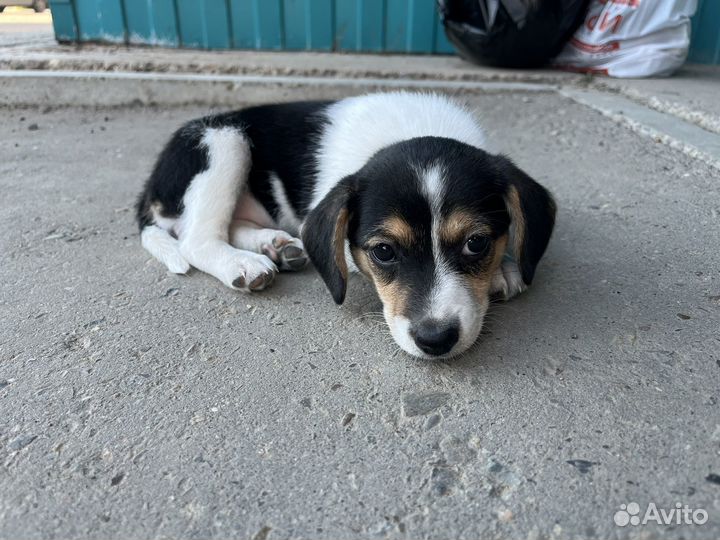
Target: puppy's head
(429,221)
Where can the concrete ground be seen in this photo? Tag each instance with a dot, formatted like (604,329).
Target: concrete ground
(139,404)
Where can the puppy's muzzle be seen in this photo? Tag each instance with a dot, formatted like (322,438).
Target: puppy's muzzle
(434,337)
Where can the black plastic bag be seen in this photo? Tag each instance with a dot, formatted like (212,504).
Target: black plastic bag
(510,33)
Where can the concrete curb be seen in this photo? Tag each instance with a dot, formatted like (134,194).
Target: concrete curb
(27,88)
(663,127)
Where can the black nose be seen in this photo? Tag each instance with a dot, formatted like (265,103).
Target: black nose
(435,337)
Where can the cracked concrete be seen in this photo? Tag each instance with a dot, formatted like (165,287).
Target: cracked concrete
(138,404)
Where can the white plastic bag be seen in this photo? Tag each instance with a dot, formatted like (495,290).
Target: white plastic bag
(630,38)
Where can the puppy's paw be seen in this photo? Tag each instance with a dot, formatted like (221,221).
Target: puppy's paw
(287,252)
(507,281)
(257,272)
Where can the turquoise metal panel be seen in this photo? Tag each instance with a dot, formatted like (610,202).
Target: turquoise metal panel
(372,25)
(63,17)
(257,24)
(410,26)
(308,24)
(296,24)
(151,22)
(705,38)
(100,20)
(347,36)
(269,23)
(204,23)
(320,17)
(441,44)
(242,18)
(346,25)
(359,25)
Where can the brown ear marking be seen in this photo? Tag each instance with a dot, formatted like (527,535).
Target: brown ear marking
(532,213)
(517,224)
(341,228)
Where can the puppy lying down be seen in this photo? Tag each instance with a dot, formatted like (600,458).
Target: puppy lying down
(396,185)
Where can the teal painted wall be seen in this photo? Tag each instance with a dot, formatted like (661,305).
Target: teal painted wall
(705,38)
(398,26)
(322,25)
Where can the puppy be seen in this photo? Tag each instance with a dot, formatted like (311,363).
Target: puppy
(396,185)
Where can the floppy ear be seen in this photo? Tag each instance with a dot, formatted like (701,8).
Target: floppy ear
(532,213)
(324,233)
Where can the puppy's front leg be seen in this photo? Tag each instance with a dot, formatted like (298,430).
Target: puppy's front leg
(285,250)
(209,203)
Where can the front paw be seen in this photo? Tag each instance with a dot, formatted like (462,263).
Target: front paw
(288,253)
(507,280)
(257,272)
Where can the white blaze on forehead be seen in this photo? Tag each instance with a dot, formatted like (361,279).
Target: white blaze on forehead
(432,185)
(445,284)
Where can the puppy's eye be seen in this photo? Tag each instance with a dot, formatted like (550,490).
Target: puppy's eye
(383,253)
(476,246)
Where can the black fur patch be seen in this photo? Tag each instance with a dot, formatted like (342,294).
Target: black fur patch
(182,158)
(283,138)
(321,233)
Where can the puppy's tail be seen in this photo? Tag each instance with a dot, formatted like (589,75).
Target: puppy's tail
(164,248)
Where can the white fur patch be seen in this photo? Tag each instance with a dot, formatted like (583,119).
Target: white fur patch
(451,299)
(360,126)
(164,248)
(400,331)
(287,220)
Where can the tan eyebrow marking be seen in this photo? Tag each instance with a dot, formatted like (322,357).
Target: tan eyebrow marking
(399,230)
(459,224)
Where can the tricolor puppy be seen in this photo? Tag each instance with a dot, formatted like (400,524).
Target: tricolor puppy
(396,185)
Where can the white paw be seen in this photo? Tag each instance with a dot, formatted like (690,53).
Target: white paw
(253,272)
(177,265)
(507,280)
